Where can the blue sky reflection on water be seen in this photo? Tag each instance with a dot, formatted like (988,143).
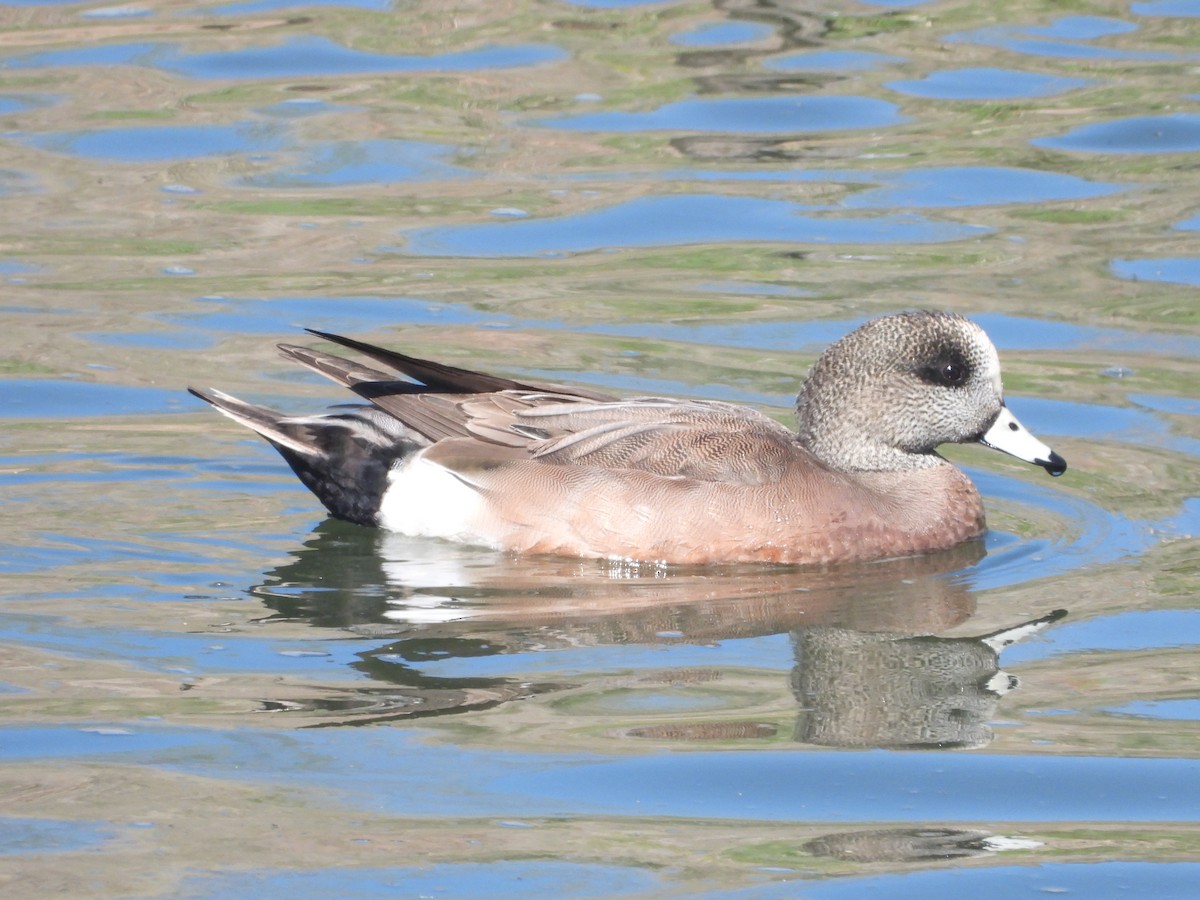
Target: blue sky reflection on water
(515,880)
(1184,270)
(1185,8)
(831,61)
(1096,881)
(749,115)
(927,187)
(18,836)
(297,57)
(1175,133)
(1071,37)
(361,162)
(260,6)
(164,143)
(723,34)
(394,768)
(987,84)
(672,220)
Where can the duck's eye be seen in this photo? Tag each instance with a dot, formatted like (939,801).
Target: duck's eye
(953,373)
(947,374)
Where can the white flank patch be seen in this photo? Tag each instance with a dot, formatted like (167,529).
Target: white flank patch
(999,842)
(425,500)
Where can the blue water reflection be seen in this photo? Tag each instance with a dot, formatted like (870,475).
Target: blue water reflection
(743,115)
(299,108)
(1094,880)
(1183,8)
(97,55)
(973,186)
(987,84)
(12,182)
(675,220)
(362,162)
(184,654)
(1007,332)
(310,56)
(392,769)
(124,11)
(1181,270)
(17,267)
(1126,631)
(832,61)
(1183,710)
(274,316)
(1176,133)
(363,315)
(1133,426)
(19,836)
(298,57)
(49,398)
(494,880)
(1177,406)
(1081,28)
(934,187)
(618,4)
(161,143)
(260,6)
(1066,38)
(723,34)
(16,103)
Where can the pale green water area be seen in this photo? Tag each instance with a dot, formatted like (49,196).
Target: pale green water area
(209,690)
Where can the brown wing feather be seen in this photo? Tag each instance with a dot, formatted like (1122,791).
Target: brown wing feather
(678,449)
(706,441)
(507,419)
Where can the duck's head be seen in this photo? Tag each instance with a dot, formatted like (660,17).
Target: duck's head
(885,396)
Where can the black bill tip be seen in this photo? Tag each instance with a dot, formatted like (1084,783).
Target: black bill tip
(1055,465)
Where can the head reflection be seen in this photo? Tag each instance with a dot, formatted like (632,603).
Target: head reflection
(861,689)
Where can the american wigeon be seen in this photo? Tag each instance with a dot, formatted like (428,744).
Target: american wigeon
(543,468)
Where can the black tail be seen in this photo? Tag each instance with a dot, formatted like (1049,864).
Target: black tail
(343,457)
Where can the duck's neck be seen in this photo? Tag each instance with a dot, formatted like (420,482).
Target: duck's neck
(845,444)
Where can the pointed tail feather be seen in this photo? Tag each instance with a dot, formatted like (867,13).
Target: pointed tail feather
(450,379)
(433,375)
(342,371)
(267,422)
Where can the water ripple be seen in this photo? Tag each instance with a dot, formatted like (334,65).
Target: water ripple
(748,115)
(298,57)
(675,220)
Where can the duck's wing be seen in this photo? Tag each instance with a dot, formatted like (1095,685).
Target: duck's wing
(671,438)
(704,440)
(557,425)
(432,403)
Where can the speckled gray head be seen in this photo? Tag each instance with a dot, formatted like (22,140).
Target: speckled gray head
(885,396)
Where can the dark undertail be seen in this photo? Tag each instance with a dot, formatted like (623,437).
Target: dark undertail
(351,474)
(343,458)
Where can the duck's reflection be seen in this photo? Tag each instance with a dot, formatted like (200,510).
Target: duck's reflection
(913,844)
(860,689)
(868,671)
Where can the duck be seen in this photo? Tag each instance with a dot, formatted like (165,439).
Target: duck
(529,467)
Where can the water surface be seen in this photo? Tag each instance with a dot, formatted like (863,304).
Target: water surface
(199,668)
